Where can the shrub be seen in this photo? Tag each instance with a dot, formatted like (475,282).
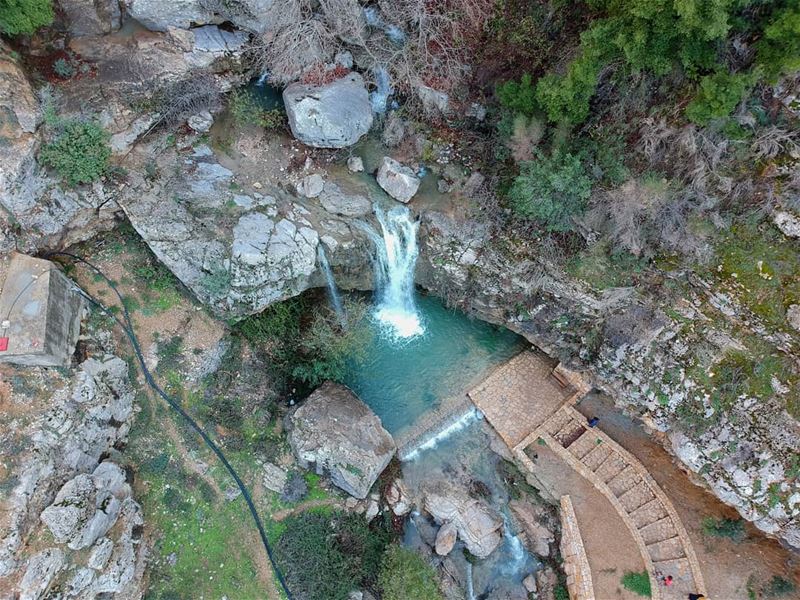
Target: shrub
(718,96)
(63,68)
(778,586)
(406,576)
(246,111)
(24,16)
(566,98)
(79,152)
(325,557)
(732,529)
(519,97)
(551,190)
(778,51)
(638,583)
(304,343)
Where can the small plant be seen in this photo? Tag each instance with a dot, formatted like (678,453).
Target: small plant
(79,152)
(64,68)
(246,111)
(778,587)
(217,283)
(551,190)
(406,576)
(638,583)
(732,529)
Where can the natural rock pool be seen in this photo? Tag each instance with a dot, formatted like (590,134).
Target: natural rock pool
(402,379)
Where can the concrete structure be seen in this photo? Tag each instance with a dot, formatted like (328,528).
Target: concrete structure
(40,314)
(576,564)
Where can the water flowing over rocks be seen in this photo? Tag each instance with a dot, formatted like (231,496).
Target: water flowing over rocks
(397,180)
(70,502)
(340,436)
(478,526)
(333,115)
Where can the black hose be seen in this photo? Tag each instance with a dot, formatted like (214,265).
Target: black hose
(127,327)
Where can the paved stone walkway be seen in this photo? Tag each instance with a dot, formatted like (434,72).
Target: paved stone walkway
(520,395)
(643,506)
(527,400)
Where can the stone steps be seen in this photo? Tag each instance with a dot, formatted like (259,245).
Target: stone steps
(624,481)
(663,529)
(637,496)
(671,549)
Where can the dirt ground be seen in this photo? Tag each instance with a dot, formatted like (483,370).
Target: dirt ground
(729,568)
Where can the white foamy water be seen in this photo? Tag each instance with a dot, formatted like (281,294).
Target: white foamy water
(396,253)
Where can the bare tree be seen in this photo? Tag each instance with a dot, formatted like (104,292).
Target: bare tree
(178,101)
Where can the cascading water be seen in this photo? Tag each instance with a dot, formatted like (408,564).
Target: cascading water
(333,293)
(383,89)
(396,254)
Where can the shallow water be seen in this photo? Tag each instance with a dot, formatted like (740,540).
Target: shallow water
(462,458)
(402,379)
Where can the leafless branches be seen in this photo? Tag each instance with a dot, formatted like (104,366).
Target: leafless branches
(773,141)
(418,41)
(180,100)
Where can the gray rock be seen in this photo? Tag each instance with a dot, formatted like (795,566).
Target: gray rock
(397,180)
(355,164)
(434,102)
(122,141)
(788,223)
(274,478)
(341,436)
(100,555)
(445,539)
(211,38)
(393,132)
(334,115)
(537,535)
(73,507)
(478,526)
(337,202)
(793,316)
(42,570)
(344,59)
(476,111)
(91,17)
(252,15)
(201,122)
(529,583)
(232,493)
(311,186)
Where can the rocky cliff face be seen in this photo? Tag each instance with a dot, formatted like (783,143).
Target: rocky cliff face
(67,517)
(639,348)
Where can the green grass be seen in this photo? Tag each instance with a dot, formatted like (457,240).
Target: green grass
(602,270)
(763,268)
(638,583)
(732,529)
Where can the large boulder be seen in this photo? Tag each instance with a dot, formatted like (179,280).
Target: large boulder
(397,180)
(478,526)
(157,15)
(91,17)
(338,202)
(333,115)
(339,434)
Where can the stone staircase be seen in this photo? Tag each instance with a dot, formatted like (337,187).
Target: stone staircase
(648,513)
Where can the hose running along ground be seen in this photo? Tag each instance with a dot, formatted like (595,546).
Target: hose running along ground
(127,327)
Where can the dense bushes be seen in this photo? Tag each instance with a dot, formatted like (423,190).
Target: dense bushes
(304,343)
(551,190)
(326,556)
(638,583)
(24,16)
(247,111)
(406,576)
(732,529)
(79,151)
(718,95)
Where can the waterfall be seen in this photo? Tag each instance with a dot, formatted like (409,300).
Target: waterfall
(396,256)
(470,588)
(517,554)
(380,97)
(262,79)
(438,434)
(336,301)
